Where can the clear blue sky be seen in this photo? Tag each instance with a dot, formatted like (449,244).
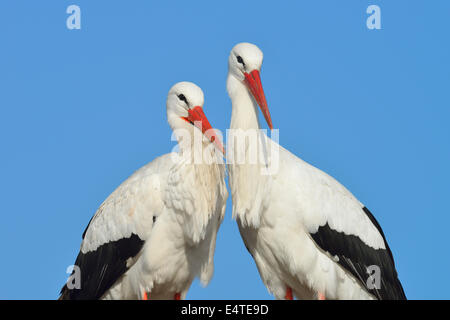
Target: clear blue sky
(83,109)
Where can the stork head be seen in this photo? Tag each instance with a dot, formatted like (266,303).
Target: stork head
(244,63)
(185,111)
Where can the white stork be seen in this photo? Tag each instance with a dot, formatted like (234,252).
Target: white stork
(157,231)
(309,236)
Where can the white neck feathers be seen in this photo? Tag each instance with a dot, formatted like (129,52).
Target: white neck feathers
(248,186)
(244,113)
(194,191)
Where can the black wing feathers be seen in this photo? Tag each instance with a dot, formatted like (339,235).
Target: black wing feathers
(101,268)
(355,256)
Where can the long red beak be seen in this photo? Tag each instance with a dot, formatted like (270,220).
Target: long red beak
(253,82)
(198,118)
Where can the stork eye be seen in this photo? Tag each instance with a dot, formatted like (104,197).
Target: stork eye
(182,97)
(240,60)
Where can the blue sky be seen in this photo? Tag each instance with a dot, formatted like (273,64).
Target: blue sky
(83,109)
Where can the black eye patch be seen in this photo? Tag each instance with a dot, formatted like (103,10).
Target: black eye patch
(182,98)
(240,60)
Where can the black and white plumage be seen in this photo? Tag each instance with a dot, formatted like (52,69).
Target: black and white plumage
(355,256)
(157,231)
(309,236)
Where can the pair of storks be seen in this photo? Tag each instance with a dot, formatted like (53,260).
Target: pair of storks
(308,235)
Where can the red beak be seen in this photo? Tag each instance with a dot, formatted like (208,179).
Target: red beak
(253,82)
(198,118)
